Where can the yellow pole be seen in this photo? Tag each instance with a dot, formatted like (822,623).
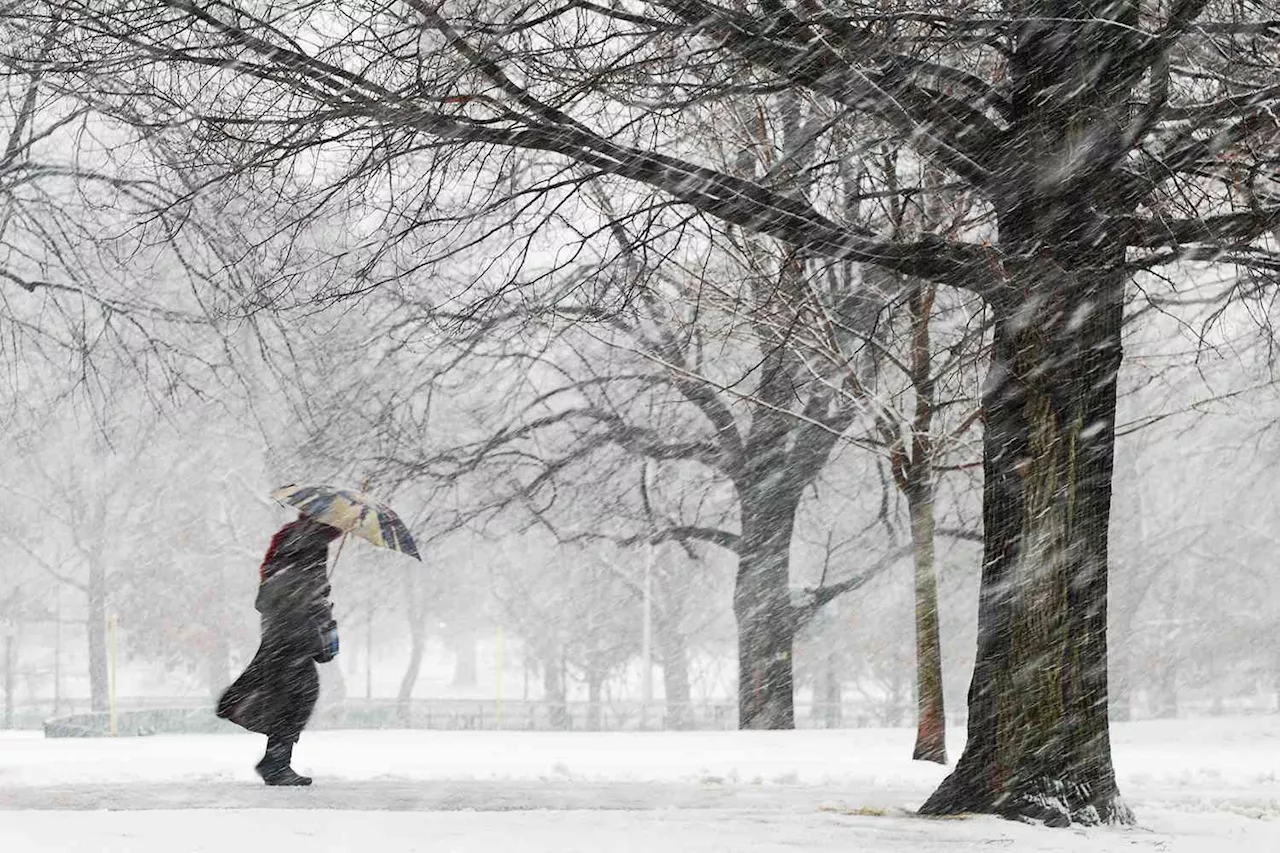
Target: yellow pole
(112,649)
(497,678)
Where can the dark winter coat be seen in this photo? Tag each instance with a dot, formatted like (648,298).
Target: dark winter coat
(277,692)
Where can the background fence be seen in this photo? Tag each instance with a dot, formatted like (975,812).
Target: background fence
(156,716)
(160,715)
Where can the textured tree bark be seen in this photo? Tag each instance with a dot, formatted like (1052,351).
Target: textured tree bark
(675,677)
(766,618)
(96,627)
(931,716)
(1038,740)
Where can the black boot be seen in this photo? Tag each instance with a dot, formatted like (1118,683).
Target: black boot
(274,767)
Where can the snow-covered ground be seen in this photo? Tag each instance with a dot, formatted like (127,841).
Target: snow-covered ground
(1199,786)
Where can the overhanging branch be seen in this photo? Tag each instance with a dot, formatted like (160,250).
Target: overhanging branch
(819,597)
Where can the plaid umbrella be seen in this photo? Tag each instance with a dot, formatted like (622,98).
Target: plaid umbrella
(351,512)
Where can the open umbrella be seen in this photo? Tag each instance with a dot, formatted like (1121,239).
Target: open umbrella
(351,512)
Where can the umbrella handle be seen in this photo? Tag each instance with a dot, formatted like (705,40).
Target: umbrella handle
(334,567)
(343,541)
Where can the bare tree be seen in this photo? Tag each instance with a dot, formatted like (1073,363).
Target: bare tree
(105,269)
(77,523)
(1103,138)
(919,395)
(766,433)
(182,587)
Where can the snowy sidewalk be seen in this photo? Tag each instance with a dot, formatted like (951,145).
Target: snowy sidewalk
(439,795)
(1197,786)
(557,832)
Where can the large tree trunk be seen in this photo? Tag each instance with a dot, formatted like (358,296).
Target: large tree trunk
(96,627)
(1038,741)
(931,716)
(673,650)
(675,676)
(766,618)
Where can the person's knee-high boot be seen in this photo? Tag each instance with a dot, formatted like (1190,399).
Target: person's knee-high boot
(274,767)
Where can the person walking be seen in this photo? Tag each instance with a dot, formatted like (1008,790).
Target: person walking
(276,693)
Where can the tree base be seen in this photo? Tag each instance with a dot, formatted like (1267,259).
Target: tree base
(768,720)
(929,752)
(1051,802)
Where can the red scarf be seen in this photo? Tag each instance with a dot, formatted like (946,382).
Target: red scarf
(281,535)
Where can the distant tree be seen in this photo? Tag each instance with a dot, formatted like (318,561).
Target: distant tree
(606,635)
(573,613)
(185,590)
(637,386)
(85,502)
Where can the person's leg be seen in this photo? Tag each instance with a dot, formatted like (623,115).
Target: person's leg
(274,767)
(296,686)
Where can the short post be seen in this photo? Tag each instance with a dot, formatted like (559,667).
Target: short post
(112,651)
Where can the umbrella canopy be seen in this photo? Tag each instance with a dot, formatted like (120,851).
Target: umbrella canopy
(351,512)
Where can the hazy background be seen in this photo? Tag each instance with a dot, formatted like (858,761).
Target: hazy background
(161,497)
